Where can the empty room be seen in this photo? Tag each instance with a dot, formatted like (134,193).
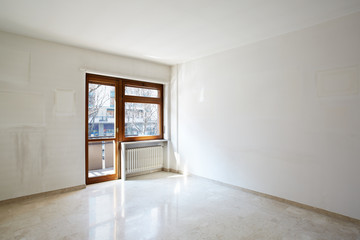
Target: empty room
(150,119)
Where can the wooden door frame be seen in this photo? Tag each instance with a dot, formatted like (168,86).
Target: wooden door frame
(109,81)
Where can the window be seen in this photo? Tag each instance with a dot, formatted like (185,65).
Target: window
(143,110)
(141,119)
(141,92)
(124,109)
(118,110)
(101,111)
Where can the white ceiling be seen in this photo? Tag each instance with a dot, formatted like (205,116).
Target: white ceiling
(166,31)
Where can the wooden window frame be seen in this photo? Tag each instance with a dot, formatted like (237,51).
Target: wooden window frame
(138,99)
(121,99)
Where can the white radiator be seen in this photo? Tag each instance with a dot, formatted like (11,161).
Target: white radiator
(144,159)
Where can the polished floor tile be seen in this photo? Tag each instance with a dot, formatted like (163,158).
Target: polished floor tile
(165,206)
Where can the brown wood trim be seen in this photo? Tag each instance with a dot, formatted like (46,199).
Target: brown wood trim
(101,178)
(102,140)
(142,138)
(136,99)
(134,83)
(161,127)
(120,119)
(104,80)
(87,76)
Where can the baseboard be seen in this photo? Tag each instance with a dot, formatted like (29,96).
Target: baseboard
(152,171)
(43,194)
(171,170)
(129,175)
(283,200)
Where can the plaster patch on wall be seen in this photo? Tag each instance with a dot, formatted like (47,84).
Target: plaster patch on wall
(30,153)
(64,102)
(21,109)
(338,82)
(14,66)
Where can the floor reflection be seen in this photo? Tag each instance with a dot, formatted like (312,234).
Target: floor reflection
(165,206)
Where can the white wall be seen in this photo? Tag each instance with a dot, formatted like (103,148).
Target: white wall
(42,144)
(268,118)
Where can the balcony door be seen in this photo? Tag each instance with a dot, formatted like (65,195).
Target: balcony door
(102,130)
(118,110)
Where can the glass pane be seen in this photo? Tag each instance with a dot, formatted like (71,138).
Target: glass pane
(141,92)
(141,119)
(101,111)
(101,158)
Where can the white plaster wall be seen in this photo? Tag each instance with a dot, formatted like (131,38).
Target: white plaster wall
(253,116)
(41,150)
(173,144)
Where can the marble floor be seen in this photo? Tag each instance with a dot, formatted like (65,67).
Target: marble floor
(101,172)
(165,206)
